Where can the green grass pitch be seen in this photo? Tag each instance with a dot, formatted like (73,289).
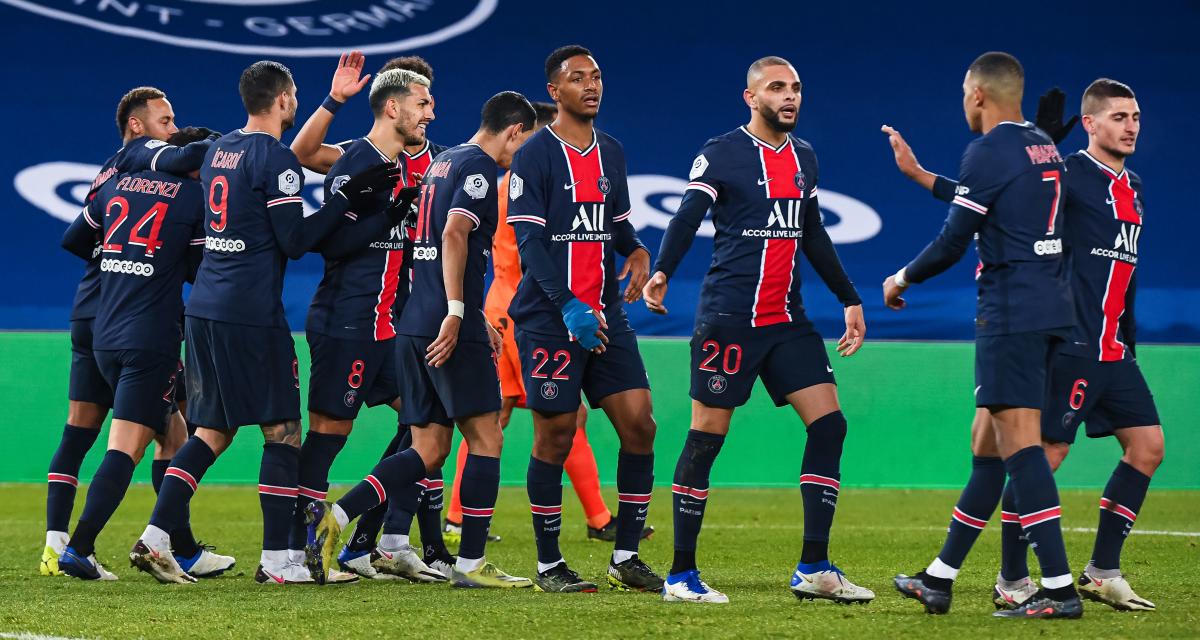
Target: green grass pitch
(748,548)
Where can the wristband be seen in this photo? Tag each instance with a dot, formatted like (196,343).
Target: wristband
(331,104)
(900,279)
(455,308)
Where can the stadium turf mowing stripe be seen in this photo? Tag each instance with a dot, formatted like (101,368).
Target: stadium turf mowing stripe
(748,551)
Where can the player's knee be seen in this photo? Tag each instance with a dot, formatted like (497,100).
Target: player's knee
(638,436)
(1146,455)
(321,423)
(85,415)
(288,433)
(831,426)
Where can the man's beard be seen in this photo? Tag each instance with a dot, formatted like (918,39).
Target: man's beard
(411,137)
(1116,152)
(289,122)
(772,118)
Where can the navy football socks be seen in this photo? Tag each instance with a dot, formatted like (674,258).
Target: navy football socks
(820,483)
(180,481)
(278,486)
(390,476)
(429,513)
(689,494)
(480,484)
(104,495)
(316,457)
(635,481)
(1038,506)
(63,478)
(1014,546)
(543,481)
(971,514)
(183,543)
(1123,497)
(367,529)
(158,469)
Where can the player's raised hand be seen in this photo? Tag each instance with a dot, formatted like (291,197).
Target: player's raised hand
(654,292)
(637,266)
(440,350)
(892,293)
(906,160)
(1049,118)
(346,81)
(856,332)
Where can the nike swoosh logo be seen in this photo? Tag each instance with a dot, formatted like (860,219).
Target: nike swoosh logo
(643,510)
(1110,201)
(977,389)
(558,519)
(274,577)
(568,187)
(829,368)
(761,182)
(385,554)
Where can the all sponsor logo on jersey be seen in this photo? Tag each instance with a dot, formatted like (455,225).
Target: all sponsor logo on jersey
(786,220)
(587,226)
(350,397)
(516,186)
(475,186)
(395,241)
(291,28)
(1125,246)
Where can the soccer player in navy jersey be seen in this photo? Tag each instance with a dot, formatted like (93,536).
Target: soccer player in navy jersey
(444,351)
(761,184)
(1009,194)
(312,151)
(145,119)
(350,327)
(241,364)
(1095,379)
(149,223)
(569,206)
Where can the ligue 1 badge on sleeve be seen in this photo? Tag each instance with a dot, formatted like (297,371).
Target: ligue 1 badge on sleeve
(800,180)
(604,185)
(289,182)
(516,186)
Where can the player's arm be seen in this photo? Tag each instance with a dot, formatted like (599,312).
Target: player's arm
(1128,322)
(454,266)
(157,155)
(298,233)
(941,187)
(309,145)
(701,193)
(627,243)
(818,248)
(351,238)
(83,234)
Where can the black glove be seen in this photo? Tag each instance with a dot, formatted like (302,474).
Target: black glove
(208,133)
(1049,116)
(401,208)
(369,190)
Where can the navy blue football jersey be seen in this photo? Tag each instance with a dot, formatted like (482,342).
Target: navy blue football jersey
(1010,194)
(255,222)
(139,154)
(1104,223)
(364,282)
(150,225)
(461,181)
(570,201)
(764,207)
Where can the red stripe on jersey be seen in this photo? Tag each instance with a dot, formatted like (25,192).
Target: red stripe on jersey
(1009,516)
(477,513)
(774,282)
(635,498)
(1121,196)
(585,171)
(418,164)
(779,170)
(699,494)
(389,282)
(283,492)
(542,510)
(1119,275)
(585,272)
(313,493)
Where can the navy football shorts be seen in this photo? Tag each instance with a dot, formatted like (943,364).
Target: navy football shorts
(1106,396)
(240,374)
(1011,370)
(86,384)
(727,360)
(347,373)
(143,384)
(465,385)
(556,370)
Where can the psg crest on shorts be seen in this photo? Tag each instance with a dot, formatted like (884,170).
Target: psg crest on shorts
(718,384)
(350,397)
(604,185)
(800,180)
(549,390)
